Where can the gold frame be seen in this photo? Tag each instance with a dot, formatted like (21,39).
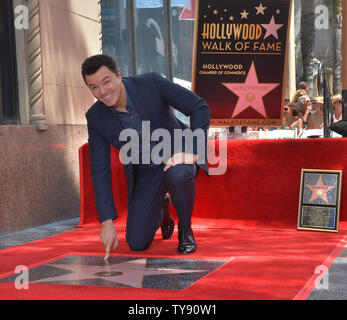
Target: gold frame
(336,206)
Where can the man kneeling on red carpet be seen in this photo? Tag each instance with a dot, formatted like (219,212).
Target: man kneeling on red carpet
(134,115)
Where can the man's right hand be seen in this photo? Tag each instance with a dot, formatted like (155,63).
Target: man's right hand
(108,236)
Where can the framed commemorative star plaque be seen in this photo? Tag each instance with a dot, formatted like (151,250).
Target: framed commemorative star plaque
(319,205)
(239,60)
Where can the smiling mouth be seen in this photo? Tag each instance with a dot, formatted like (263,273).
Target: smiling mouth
(108,97)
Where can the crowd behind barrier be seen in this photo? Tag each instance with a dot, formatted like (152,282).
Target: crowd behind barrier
(302,118)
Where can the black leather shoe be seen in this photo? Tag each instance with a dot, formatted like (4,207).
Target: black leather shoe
(167,225)
(186,242)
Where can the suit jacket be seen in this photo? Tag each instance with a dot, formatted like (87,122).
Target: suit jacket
(152,96)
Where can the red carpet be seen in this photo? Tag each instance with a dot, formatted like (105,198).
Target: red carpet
(260,187)
(264,264)
(247,216)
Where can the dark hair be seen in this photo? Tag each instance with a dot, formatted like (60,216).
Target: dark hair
(296,112)
(94,63)
(303,85)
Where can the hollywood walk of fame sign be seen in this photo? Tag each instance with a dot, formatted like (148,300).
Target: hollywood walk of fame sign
(124,272)
(240,60)
(319,205)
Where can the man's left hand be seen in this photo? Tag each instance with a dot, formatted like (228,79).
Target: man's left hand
(181,158)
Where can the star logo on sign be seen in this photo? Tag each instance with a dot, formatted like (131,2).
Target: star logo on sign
(319,190)
(271,28)
(244,14)
(250,93)
(260,9)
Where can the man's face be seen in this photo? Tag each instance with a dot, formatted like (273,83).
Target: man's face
(106,87)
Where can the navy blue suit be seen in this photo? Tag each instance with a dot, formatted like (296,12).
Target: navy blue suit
(152,96)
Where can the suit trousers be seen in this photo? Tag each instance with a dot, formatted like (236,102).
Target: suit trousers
(145,209)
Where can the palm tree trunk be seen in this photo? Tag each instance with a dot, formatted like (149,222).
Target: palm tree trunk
(307,40)
(337,45)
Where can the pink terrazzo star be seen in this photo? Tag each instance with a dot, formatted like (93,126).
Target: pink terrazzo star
(250,93)
(319,190)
